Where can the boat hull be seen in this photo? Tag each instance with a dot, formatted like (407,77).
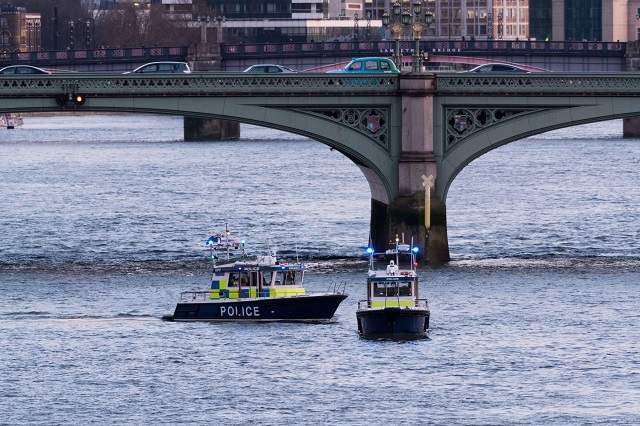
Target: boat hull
(393,322)
(299,308)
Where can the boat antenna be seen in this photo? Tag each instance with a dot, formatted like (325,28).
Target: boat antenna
(397,255)
(213,258)
(226,235)
(370,251)
(297,259)
(413,261)
(271,251)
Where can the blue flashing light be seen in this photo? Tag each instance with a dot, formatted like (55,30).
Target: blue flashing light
(369,250)
(242,242)
(415,249)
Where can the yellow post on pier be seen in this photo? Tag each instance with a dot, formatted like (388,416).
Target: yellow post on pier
(427,183)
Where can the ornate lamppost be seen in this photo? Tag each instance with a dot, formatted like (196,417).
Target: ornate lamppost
(408,15)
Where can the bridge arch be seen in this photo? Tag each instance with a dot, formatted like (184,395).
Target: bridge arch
(540,119)
(374,162)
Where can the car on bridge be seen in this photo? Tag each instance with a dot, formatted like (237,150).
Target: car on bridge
(372,65)
(269,69)
(22,70)
(162,68)
(498,68)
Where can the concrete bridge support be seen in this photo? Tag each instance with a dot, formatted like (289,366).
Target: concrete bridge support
(406,213)
(631,127)
(205,56)
(210,129)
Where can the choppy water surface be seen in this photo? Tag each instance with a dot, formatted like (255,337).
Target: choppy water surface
(103,219)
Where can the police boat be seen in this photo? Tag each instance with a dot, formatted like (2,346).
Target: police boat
(392,308)
(259,289)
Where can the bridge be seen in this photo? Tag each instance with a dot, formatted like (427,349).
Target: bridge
(395,128)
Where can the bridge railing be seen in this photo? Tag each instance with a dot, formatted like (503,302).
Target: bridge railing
(69,57)
(197,84)
(364,48)
(539,84)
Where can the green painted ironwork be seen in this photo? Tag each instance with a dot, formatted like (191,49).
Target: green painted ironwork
(199,84)
(538,84)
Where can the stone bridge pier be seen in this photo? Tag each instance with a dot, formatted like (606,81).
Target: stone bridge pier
(406,213)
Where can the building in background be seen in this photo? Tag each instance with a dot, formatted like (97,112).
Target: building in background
(19,30)
(511,19)
(540,22)
(376,8)
(175,10)
(298,30)
(589,20)
(583,20)
(309,9)
(470,19)
(252,9)
(346,8)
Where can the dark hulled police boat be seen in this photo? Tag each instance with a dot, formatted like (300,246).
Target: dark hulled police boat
(392,308)
(260,289)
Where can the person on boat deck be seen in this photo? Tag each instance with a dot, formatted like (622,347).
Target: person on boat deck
(392,268)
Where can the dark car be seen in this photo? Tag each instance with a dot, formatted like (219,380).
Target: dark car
(498,68)
(162,68)
(269,69)
(22,70)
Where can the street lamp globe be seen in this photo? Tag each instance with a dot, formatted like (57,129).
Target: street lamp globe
(417,7)
(385,19)
(406,18)
(428,18)
(396,9)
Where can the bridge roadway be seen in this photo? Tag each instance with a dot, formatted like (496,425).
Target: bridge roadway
(395,128)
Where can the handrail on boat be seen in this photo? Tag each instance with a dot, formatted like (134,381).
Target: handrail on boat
(419,303)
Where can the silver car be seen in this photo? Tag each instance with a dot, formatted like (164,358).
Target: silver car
(162,68)
(22,70)
(269,69)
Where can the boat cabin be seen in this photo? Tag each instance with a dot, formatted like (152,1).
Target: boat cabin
(395,285)
(392,291)
(254,280)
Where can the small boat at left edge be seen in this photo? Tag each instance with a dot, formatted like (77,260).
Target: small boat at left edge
(10,121)
(260,289)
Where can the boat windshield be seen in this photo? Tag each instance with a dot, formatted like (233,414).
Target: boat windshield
(241,278)
(391,289)
(266,278)
(293,278)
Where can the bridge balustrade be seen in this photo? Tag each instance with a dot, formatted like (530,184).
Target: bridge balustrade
(70,57)
(462,47)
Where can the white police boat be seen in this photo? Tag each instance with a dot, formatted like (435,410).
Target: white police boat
(259,289)
(393,308)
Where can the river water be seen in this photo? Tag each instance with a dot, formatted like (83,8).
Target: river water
(103,222)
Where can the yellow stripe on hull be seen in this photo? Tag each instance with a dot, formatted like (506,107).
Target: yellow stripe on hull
(393,303)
